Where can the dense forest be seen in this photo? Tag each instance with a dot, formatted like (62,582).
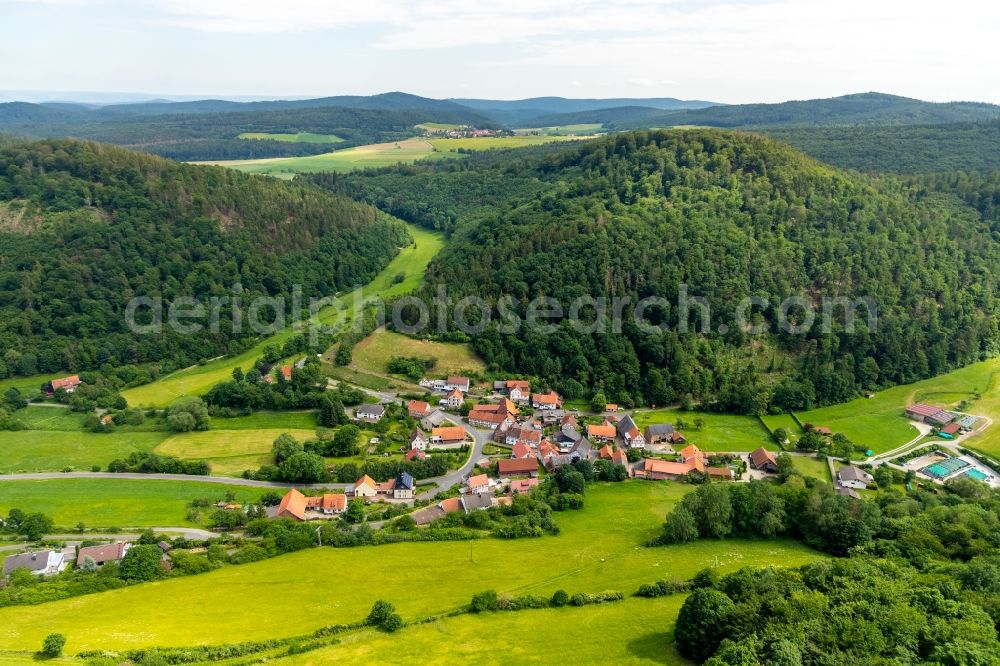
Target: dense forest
(904,149)
(84,227)
(729,215)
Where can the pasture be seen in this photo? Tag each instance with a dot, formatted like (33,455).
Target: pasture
(599,548)
(374,353)
(775,421)
(411,261)
(496,142)
(229,452)
(123,503)
(879,424)
(53,450)
(640,631)
(811,466)
(720,432)
(300,137)
(561,130)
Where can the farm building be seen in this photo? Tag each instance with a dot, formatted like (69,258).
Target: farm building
(518,467)
(764,460)
(929,414)
(448,436)
(68,384)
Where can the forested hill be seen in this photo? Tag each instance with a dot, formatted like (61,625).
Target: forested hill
(84,227)
(730,215)
(859,109)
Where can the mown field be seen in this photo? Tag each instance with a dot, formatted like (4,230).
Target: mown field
(115,502)
(599,548)
(632,631)
(374,353)
(50,450)
(229,452)
(410,261)
(773,422)
(809,466)
(720,432)
(879,423)
(496,142)
(300,137)
(579,128)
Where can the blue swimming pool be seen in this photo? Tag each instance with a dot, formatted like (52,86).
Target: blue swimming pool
(977,475)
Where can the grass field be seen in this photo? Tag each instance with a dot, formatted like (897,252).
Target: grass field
(374,353)
(360,157)
(49,418)
(301,137)
(431,127)
(599,548)
(773,422)
(411,261)
(638,631)
(879,424)
(579,128)
(809,466)
(496,142)
(721,432)
(229,452)
(47,450)
(115,502)
(28,384)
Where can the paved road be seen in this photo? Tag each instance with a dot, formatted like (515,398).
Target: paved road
(481,438)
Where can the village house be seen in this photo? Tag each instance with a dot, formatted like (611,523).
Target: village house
(520,486)
(415,454)
(604,453)
(365,487)
(418,409)
(296,505)
(369,412)
(68,384)
(445,437)
(418,440)
(433,384)
(41,563)
(519,467)
(480,483)
(663,432)
(619,457)
(691,460)
(601,433)
(101,555)
(518,390)
(929,414)
(611,407)
(521,450)
(432,420)
(630,433)
(548,400)
(524,435)
(453,399)
(286,373)
(457,383)
(763,460)
(850,476)
(491,416)
(403,486)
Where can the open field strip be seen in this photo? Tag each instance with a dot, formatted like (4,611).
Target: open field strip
(374,353)
(639,631)
(810,466)
(579,128)
(720,432)
(599,548)
(46,450)
(775,421)
(300,137)
(497,142)
(229,452)
(115,502)
(411,261)
(879,424)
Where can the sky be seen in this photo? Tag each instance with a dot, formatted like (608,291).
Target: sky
(726,51)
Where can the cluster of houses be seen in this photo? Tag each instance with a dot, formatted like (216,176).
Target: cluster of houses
(296,505)
(948,424)
(49,562)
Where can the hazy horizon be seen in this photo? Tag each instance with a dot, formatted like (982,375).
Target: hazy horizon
(730,52)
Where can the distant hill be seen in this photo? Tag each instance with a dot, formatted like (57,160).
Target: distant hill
(208,129)
(904,149)
(84,227)
(859,109)
(526,112)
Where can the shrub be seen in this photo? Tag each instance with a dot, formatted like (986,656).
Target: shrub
(559,598)
(53,644)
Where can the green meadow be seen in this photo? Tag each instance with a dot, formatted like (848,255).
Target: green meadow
(775,421)
(121,503)
(496,142)
(600,547)
(579,128)
(720,432)
(54,450)
(879,424)
(300,137)
(410,261)
(810,466)
(374,353)
(632,631)
(229,452)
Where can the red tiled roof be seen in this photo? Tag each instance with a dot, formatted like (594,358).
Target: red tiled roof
(518,383)
(449,433)
(66,382)
(418,408)
(521,466)
(547,448)
(691,451)
(451,504)
(286,372)
(606,431)
(415,453)
(364,480)
(549,398)
(478,481)
(605,452)
(951,429)
(619,457)
(523,485)
(521,450)
(109,552)
(293,504)
(922,409)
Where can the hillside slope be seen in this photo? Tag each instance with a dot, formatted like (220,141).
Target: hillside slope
(84,227)
(729,215)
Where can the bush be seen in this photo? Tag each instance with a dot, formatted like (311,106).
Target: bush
(484,601)
(393,623)
(559,598)
(53,644)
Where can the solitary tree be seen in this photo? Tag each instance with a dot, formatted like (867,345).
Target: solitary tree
(53,644)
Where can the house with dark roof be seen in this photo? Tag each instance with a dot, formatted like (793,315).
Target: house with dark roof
(101,555)
(630,433)
(850,476)
(418,440)
(403,486)
(476,501)
(369,412)
(432,420)
(39,563)
(764,460)
(659,432)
